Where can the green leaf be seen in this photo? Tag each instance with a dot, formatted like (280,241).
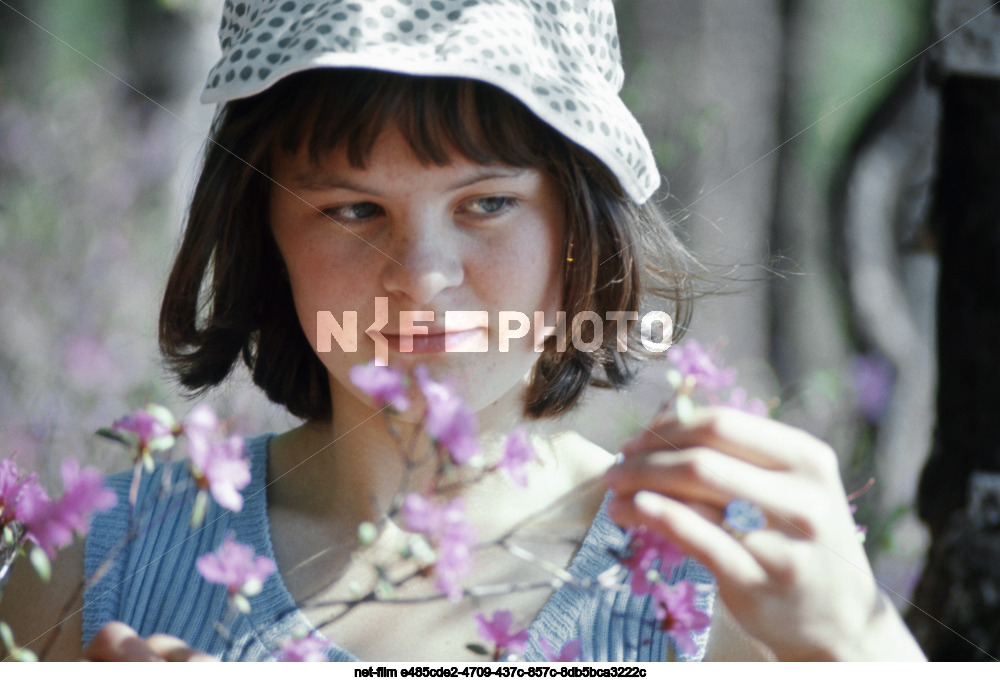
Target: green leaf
(383,586)
(41,563)
(241,603)
(6,636)
(420,549)
(114,436)
(8,535)
(674,378)
(23,655)
(252,587)
(367,533)
(685,408)
(161,444)
(199,509)
(477,648)
(163,415)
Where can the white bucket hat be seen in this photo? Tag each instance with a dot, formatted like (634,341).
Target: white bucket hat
(560,58)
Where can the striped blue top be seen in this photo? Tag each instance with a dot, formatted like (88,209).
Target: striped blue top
(150,581)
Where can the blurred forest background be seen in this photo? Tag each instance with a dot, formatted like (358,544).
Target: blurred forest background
(759,110)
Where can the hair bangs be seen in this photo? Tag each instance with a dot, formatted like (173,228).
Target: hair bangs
(331,110)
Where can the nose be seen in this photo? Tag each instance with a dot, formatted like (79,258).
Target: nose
(426,260)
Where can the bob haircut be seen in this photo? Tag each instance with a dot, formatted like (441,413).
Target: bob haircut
(227,296)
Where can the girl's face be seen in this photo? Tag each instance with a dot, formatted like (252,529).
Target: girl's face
(429,238)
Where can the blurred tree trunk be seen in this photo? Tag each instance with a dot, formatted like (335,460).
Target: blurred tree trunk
(807,331)
(704,81)
(958,599)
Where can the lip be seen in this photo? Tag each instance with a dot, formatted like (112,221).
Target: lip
(432,343)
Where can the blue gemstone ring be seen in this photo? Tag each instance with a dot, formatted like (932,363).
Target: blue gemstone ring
(743,517)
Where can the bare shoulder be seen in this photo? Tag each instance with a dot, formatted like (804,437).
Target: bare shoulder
(37,611)
(729,642)
(583,460)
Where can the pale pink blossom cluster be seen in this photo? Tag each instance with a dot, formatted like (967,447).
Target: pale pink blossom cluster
(217,461)
(499,631)
(444,526)
(517,454)
(51,523)
(678,614)
(385,386)
(235,566)
(650,558)
(698,369)
(149,430)
(306,648)
(451,425)
(449,422)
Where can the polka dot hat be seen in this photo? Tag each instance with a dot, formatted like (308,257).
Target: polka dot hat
(560,58)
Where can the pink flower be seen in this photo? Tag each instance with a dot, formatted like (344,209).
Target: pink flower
(454,558)
(449,422)
(234,565)
(738,400)
(644,550)
(51,524)
(11,486)
(677,613)
(446,530)
(420,514)
(151,427)
(517,452)
(217,462)
(309,648)
(570,652)
(872,379)
(32,507)
(83,493)
(202,423)
(384,385)
(221,468)
(497,630)
(693,361)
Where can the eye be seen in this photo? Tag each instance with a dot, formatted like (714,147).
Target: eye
(364,210)
(490,205)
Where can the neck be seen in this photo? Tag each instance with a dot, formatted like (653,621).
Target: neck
(356,465)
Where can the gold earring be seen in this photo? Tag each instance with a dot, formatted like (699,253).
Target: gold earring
(569,252)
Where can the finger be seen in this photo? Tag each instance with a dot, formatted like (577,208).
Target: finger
(697,530)
(710,477)
(694,534)
(117,642)
(173,649)
(757,440)
(707,511)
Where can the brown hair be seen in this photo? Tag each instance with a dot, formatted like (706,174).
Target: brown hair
(226,297)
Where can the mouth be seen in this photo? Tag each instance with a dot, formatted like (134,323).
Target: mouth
(469,340)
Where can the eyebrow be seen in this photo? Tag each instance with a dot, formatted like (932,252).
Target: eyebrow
(319,179)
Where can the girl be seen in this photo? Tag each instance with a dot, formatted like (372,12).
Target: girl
(434,161)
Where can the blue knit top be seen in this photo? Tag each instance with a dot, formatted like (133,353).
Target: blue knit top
(150,581)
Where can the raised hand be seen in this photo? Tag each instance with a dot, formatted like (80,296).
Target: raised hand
(801,584)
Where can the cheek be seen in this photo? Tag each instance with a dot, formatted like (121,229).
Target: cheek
(523,276)
(321,282)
